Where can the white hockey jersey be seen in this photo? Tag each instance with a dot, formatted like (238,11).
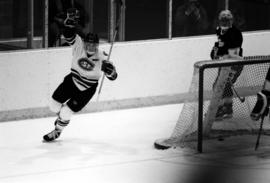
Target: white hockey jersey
(82,70)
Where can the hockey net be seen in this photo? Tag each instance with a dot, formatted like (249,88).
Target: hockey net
(198,122)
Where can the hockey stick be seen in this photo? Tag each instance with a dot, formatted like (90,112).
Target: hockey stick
(242,99)
(110,51)
(261,128)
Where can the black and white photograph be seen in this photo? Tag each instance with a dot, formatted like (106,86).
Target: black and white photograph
(134,91)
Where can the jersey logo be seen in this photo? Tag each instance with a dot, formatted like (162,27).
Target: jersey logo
(86,64)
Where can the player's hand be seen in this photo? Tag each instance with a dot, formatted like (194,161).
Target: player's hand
(72,18)
(70,23)
(73,13)
(214,51)
(109,69)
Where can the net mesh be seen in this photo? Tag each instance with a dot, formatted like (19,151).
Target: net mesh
(247,85)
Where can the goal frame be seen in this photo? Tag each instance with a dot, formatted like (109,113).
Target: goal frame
(207,64)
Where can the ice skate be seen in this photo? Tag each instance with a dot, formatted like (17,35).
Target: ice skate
(52,135)
(59,126)
(260,107)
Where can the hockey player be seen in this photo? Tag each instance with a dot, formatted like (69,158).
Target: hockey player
(229,45)
(79,86)
(263,98)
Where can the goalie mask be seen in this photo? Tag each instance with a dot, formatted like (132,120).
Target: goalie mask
(225,19)
(91,42)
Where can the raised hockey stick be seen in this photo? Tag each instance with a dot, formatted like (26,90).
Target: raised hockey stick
(261,128)
(110,51)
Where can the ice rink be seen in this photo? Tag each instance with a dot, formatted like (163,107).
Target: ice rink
(117,146)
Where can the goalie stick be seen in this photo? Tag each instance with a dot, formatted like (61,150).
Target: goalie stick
(242,99)
(110,51)
(261,128)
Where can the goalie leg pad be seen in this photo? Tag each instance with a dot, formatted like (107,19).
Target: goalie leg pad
(260,106)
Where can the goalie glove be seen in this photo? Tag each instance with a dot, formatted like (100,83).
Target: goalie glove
(109,70)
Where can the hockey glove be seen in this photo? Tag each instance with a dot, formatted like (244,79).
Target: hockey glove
(72,18)
(214,51)
(109,70)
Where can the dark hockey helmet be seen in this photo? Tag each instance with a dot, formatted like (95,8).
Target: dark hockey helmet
(91,42)
(225,18)
(91,38)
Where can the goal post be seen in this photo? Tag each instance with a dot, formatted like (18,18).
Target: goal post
(198,122)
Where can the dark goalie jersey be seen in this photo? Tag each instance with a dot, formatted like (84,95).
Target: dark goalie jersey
(86,71)
(231,39)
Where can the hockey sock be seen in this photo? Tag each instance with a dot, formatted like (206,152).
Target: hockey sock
(61,124)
